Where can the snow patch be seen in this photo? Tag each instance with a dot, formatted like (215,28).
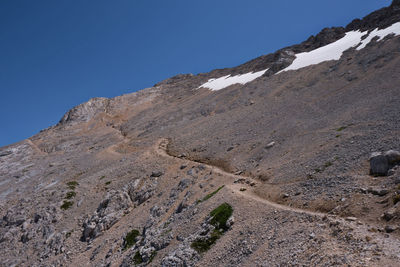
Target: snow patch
(225,81)
(394,29)
(335,50)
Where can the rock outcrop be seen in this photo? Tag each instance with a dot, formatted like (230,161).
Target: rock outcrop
(85,111)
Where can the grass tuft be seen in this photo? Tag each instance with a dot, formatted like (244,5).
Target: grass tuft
(220,216)
(396,198)
(207,197)
(70,195)
(137,259)
(202,245)
(130,238)
(72,185)
(66,205)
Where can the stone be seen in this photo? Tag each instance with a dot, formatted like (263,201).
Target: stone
(390,228)
(5,153)
(269,145)
(388,215)
(379,164)
(351,219)
(378,191)
(156,173)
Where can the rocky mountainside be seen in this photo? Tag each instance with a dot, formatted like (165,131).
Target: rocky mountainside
(289,159)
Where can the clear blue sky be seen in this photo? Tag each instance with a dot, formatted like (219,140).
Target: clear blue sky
(57,54)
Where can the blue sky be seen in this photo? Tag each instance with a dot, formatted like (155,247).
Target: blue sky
(57,54)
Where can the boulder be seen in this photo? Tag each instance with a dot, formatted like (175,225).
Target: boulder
(379,164)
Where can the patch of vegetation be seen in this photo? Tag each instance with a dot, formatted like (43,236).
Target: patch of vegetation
(68,234)
(107,183)
(202,245)
(220,216)
(166,232)
(66,205)
(70,195)
(137,259)
(210,195)
(166,224)
(102,177)
(328,164)
(396,198)
(344,127)
(152,256)
(72,185)
(130,238)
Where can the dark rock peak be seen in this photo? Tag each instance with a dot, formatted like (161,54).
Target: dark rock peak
(395,3)
(381,18)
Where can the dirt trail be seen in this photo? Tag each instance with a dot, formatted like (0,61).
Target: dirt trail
(390,244)
(35,147)
(161,149)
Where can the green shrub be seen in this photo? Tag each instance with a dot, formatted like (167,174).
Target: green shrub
(202,245)
(396,198)
(130,238)
(220,216)
(207,197)
(328,164)
(66,205)
(68,234)
(152,256)
(137,259)
(72,185)
(70,195)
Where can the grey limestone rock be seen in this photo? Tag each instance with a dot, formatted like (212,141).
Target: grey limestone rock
(86,111)
(379,164)
(110,210)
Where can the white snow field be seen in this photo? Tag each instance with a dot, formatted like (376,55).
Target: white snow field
(331,51)
(225,81)
(335,50)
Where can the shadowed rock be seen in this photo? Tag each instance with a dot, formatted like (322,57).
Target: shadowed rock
(379,164)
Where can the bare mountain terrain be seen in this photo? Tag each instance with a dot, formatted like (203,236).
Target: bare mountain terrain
(272,169)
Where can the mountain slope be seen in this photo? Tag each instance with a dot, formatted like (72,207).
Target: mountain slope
(141,179)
